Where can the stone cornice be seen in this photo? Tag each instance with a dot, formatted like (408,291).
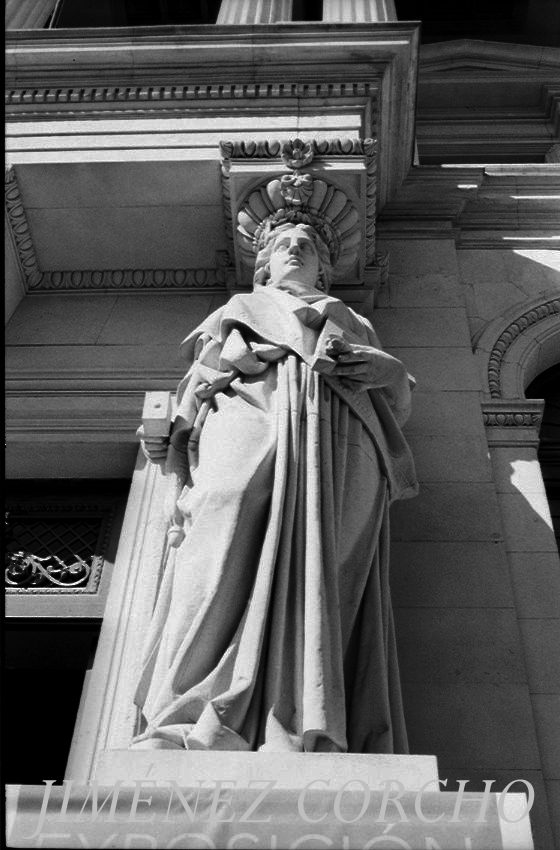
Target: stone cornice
(57,414)
(131,97)
(487,102)
(371,66)
(487,56)
(494,206)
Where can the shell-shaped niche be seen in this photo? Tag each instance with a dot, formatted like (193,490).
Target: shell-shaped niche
(328,209)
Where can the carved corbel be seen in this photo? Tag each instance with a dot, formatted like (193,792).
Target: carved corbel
(329,184)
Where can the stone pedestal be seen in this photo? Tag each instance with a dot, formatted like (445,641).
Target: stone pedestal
(287,770)
(225,814)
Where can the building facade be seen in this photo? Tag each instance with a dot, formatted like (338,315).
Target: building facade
(133,137)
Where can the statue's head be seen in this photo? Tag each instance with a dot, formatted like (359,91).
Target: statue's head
(296,253)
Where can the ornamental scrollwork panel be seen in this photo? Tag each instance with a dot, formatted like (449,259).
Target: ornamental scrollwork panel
(54,548)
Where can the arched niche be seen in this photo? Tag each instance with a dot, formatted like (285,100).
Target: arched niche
(518,346)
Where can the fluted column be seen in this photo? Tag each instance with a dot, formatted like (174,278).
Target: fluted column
(254,11)
(27,14)
(358,11)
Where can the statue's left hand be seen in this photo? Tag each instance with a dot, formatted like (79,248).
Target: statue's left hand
(363,367)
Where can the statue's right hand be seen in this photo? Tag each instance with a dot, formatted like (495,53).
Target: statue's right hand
(154,448)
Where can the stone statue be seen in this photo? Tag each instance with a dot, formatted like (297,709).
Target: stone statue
(273,626)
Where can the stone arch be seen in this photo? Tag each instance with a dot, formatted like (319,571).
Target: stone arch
(518,345)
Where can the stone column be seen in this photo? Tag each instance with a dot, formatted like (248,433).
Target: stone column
(254,11)
(27,14)
(359,11)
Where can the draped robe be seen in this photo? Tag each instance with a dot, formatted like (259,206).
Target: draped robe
(273,625)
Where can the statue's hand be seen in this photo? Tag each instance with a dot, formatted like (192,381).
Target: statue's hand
(154,448)
(362,367)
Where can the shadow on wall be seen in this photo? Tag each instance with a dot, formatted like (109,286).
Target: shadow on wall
(476,588)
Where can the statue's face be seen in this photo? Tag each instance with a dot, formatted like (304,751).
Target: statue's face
(294,258)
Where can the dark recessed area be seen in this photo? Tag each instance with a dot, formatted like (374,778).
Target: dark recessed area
(547,386)
(134,13)
(514,21)
(307,10)
(45,662)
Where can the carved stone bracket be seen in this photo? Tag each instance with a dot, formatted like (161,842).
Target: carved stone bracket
(329,184)
(513,421)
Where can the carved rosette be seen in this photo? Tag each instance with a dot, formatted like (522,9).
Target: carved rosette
(292,182)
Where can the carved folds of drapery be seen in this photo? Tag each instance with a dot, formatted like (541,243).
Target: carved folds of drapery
(27,14)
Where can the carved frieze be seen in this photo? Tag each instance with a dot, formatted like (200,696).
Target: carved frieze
(510,419)
(132,279)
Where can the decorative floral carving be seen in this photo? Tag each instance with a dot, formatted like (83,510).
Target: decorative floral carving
(297,154)
(27,570)
(510,419)
(271,148)
(296,188)
(303,197)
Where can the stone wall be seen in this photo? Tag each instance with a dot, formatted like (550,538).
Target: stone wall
(475,613)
